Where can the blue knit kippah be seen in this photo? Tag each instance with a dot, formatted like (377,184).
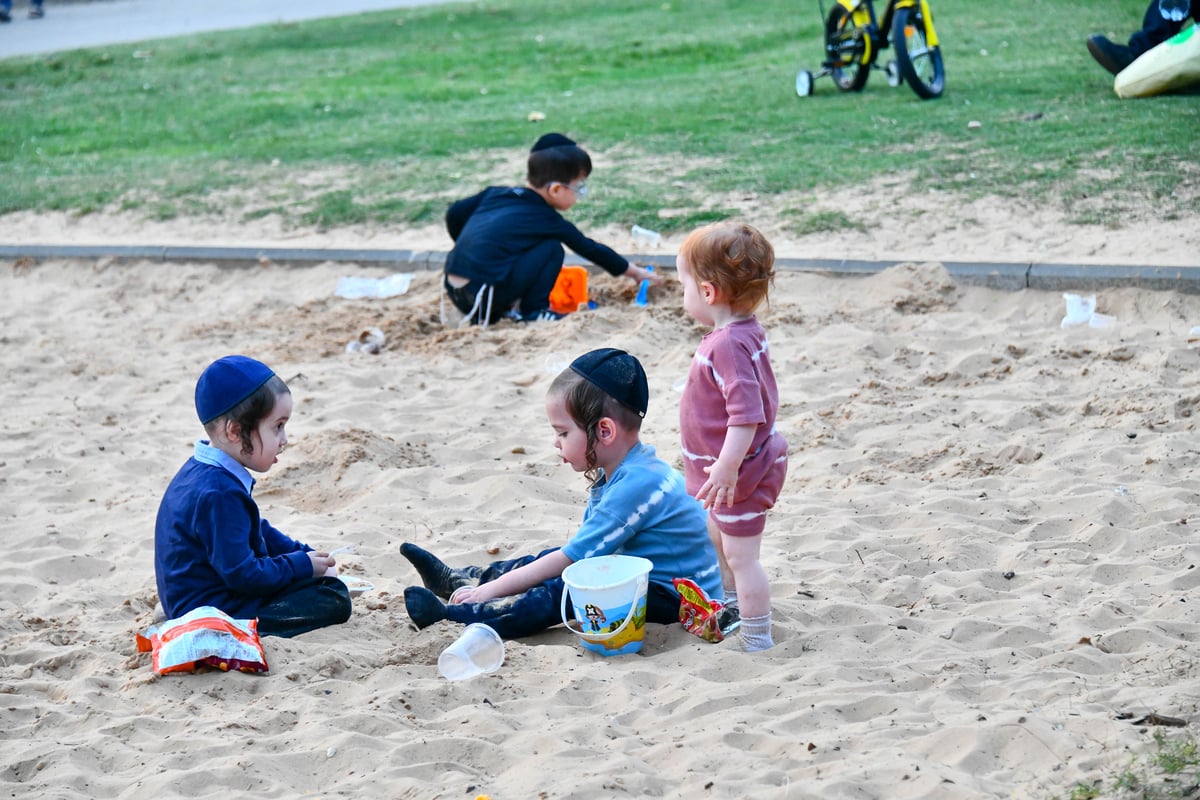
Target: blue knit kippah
(227,382)
(618,374)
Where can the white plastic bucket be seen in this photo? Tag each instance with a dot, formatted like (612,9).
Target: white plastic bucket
(608,595)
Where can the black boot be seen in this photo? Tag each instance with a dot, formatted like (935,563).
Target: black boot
(424,608)
(437,577)
(1110,55)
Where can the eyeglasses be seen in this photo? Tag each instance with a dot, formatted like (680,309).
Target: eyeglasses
(579,189)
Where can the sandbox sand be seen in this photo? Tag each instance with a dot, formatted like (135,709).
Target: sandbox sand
(983,566)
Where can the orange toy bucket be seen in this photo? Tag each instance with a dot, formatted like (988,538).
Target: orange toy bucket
(570,292)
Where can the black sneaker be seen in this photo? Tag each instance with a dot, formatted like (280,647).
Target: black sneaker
(1110,55)
(729,619)
(5,16)
(545,315)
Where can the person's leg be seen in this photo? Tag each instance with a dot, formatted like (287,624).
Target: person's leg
(5,10)
(513,617)
(662,604)
(1116,57)
(37,9)
(497,568)
(532,278)
(442,579)
(439,578)
(754,590)
(1156,29)
(475,299)
(727,579)
(304,607)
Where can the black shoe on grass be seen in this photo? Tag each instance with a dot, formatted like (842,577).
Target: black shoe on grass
(1110,55)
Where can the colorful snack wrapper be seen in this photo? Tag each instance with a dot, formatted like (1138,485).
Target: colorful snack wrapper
(204,636)
(697,613)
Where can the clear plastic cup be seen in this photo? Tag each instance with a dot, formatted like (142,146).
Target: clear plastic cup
(477,651)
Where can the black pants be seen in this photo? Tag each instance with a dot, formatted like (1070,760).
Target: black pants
(540,607)
(304,607)
(1156,28)
(527,287)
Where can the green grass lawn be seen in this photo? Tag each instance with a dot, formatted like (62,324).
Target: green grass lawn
(385,117)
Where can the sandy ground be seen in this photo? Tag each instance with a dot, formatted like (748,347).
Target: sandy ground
(983,567)
(983,571)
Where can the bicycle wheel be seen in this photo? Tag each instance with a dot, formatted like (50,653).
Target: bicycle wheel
(920,64)
(847,50)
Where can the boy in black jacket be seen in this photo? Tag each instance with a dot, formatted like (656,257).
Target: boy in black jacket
(508,241)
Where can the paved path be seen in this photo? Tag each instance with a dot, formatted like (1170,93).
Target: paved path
(1009,276)
(74,25)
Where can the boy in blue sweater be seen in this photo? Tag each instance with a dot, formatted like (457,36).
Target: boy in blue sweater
(211,546)
(638,506)
(508,241)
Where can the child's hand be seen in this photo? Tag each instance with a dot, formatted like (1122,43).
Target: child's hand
(641,274)
(719,486)
(322,563)
(471,594)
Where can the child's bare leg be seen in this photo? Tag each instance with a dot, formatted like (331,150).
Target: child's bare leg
(754,590)
(727,578)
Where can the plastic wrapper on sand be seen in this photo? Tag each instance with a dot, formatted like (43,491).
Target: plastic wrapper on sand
(698,614)
(204,636)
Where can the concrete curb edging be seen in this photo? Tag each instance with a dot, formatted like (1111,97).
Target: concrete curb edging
(996,275)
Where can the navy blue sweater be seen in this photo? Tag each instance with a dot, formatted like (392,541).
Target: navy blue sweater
(212,548)
(493,228)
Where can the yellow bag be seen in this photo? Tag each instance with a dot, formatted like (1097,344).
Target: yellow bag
(1174,64)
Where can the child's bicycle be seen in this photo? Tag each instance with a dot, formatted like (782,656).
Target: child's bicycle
(854,35)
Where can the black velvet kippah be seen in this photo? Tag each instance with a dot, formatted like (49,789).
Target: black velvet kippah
(546,141)
(618,374)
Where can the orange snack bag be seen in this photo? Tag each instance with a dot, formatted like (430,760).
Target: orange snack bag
(697,613)
(204,636)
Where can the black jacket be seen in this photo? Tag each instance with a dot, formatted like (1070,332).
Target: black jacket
(493,228)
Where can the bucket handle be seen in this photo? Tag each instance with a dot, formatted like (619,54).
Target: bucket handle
(643,585)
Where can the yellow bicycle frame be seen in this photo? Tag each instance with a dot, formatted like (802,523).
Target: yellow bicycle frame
(860,15)
(931,39)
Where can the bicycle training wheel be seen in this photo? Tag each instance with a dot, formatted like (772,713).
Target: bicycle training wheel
(804,82)
(920,64)
(847,50)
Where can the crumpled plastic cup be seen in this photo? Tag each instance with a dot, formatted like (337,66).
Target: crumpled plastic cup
(478,651)
(1082,311)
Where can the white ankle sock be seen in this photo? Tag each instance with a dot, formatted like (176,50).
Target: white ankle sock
(755,633)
